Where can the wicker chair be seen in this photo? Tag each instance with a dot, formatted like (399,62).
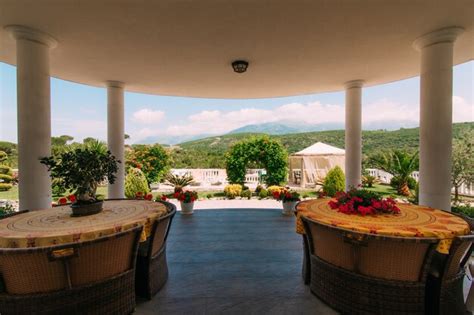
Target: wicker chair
(306,267)
(448,287)
(360,273)
(93,277)
(152,267)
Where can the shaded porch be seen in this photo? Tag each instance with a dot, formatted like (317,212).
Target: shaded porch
(235,261)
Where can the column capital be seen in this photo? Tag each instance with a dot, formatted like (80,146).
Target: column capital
(115,84)
(354,84)
(443,35)
(23,32)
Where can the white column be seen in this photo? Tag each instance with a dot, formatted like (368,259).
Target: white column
(116,134)
(34,115)
(436,118)
(353,133)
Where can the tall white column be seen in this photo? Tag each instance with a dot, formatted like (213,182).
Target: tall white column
(353,133)
(116,134)
(34,115)
(436,117)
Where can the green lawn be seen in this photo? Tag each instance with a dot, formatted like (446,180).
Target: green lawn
(384,189)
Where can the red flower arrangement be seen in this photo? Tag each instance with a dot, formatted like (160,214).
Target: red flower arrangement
(187,196)
(141,195)
(72,198)
(286,195)
(363,202)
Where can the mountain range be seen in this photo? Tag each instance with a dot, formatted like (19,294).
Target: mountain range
(282,128)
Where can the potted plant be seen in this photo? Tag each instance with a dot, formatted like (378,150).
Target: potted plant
(186,198)
(289,199)
(81,170)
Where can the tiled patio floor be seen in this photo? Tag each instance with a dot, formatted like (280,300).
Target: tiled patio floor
(234,261)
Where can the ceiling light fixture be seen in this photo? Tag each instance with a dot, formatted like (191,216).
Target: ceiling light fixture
(240,66)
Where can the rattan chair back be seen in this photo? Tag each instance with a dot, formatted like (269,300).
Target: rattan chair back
(383,257)
(160,231)
(459,254)
(47,269)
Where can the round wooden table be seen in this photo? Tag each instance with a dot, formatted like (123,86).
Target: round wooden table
(412,221)
(56,226)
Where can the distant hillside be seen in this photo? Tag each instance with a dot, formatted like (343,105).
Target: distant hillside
(288,127)
(269,128)
(209,152)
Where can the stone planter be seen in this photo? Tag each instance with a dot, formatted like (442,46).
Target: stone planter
(289,207)
(187,207)
(79,210)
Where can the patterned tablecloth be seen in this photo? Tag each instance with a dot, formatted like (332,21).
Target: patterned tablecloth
(56,226)
(412,221)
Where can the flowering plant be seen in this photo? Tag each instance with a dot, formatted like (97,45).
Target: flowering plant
(65,200)
(187,196)
(363,202)
(286,195)
(141,195)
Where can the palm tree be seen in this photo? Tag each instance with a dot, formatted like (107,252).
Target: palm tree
(179,182)
(398,163)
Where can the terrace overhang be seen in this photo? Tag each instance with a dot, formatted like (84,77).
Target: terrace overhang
(185,48)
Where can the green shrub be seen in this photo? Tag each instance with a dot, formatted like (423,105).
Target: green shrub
(5,178)
(258,189)
(334,181)
(246,194)
(233,190)
(209,196)
(6,209)
(5,186)
(135,182)
(465,209)
(395,182)
(263,194)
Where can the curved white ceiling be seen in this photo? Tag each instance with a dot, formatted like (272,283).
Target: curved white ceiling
(179,47)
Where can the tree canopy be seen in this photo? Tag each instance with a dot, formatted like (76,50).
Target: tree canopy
(153,160)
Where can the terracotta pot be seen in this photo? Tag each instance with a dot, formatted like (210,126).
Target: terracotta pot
(79,210)
(289,207)
(187,207)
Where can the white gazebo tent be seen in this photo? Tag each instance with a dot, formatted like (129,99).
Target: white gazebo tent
(312,164)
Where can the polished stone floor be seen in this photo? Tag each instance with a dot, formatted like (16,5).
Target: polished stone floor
(234,261)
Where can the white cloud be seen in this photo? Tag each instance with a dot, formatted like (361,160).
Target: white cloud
(148,116)
(462,110)
(220,122)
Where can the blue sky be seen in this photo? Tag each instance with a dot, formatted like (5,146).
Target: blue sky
(80,110)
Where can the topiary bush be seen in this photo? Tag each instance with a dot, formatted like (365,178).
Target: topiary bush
(5,186)
(5,174)
(263,194)
(268,153)
(233,190)
(335,181)
(246,194)
(135,182)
